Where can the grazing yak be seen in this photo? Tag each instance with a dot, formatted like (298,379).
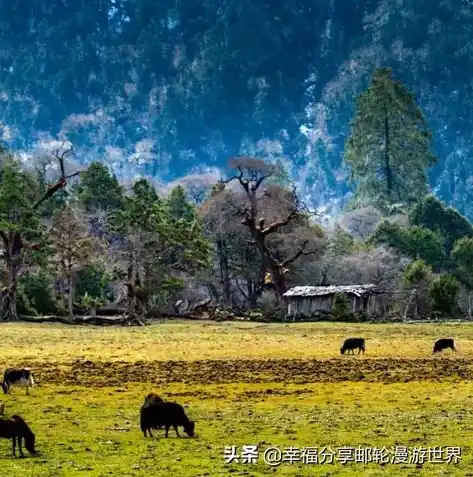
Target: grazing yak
(444,343)
(165,414)
(152,398)
(16,429)
(17,377)
(351,344)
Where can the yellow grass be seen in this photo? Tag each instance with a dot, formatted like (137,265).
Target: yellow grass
(198,341)
(92,381)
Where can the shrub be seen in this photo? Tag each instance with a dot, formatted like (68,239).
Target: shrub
(417,272)
(93,281)
(443,295)
(341,309)
(36,295)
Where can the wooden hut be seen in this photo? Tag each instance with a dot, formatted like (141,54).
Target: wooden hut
(307,301)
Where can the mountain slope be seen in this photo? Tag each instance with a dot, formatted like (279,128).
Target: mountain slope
(165,88)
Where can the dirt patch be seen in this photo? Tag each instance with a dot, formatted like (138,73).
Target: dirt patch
(88,373)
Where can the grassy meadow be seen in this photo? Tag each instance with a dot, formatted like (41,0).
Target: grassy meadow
(278,385)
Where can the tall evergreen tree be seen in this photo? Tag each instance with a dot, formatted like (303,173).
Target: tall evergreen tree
(388,150)
(156,248)
(98,189)
(178,205)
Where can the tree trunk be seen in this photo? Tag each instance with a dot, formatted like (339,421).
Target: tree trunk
(69,296)
(252,294)
(255,287)
(8,308)
(131,286)
(469,304)
(411,298)
(274,267)
(224,274)
(387,165)
(134,306)
(278,278)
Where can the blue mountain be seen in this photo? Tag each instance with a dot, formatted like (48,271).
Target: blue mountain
(172,88)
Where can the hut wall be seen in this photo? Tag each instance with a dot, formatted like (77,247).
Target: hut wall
(321,303)
(358,303)
(308,305)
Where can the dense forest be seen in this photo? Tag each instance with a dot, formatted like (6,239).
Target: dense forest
(76,239)
(173,88)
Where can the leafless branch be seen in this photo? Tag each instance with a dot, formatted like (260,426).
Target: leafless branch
(239,176)
(256,172)
(302,251)
(241,290)
(60,156)
(62,182)
(256,185)
(244,182)
(74,174)
(278,224)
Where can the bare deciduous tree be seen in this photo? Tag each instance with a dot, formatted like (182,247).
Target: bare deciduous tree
(361,223)
(378,266)
(238,263)
(268,212)
(73,248)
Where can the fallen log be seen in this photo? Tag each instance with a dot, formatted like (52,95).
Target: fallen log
(78,320)
(102,311)
(174,316)
(103,320)
(46,319)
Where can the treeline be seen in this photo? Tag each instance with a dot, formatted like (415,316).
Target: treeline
(87,241)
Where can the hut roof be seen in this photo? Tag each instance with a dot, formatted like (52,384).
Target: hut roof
(307,291)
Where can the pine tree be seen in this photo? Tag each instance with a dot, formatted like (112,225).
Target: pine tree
(462,254)
(179,206)
(158,248)
(98,189)
(388,150)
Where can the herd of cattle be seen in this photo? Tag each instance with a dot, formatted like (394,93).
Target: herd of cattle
(351,344)
(155,413)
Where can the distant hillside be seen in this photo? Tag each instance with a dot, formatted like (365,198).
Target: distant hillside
(168,88)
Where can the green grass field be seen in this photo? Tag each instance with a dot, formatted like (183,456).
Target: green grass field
(244,384)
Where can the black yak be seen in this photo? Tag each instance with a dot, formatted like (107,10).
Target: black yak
(152,398)
(165,414)
(444,343)
(15,428)
(351,344)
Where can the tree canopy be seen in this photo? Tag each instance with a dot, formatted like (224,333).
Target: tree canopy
(432,214)
(388,151)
